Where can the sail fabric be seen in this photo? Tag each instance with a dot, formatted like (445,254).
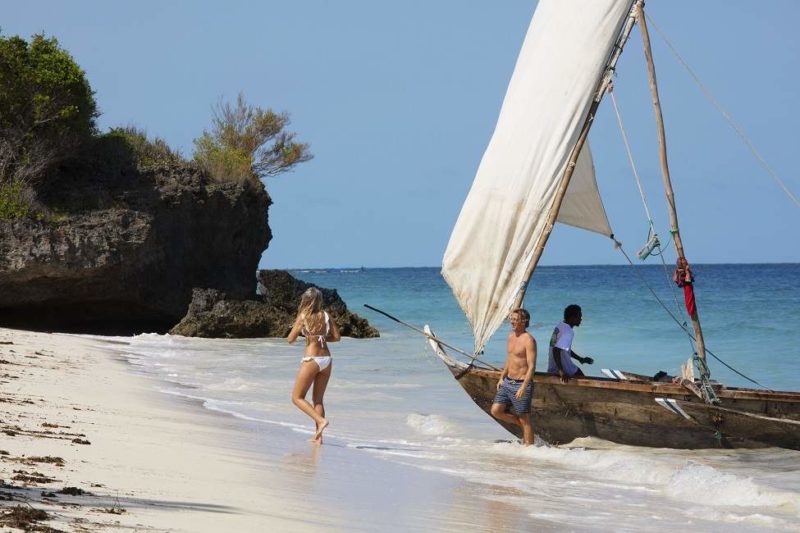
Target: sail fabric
(582,206)
(503,218)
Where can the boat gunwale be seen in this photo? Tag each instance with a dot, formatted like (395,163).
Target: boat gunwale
(656,387)
(732,393)
(729,393)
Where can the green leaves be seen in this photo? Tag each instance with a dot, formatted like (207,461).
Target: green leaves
(13,203)
(247,142)
(149,154)
(223,162)
(47,107)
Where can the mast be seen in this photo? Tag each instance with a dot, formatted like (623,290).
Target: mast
(573,158)
(673,213)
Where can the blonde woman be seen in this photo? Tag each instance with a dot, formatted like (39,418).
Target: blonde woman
(319,329)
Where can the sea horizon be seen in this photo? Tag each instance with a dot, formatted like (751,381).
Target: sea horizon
(669,264)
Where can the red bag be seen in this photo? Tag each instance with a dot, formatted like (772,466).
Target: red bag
(683,278)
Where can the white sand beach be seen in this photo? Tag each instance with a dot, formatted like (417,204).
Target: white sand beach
(75,416)
(143,461)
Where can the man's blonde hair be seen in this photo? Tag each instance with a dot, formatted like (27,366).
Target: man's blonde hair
(523,314)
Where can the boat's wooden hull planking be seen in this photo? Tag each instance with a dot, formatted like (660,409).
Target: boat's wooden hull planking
(627,412)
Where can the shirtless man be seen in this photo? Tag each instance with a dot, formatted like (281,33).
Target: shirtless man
(515,386)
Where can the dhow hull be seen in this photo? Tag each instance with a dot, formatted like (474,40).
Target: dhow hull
(643,413)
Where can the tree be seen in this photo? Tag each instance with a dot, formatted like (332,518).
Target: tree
(47,107)
(248,142)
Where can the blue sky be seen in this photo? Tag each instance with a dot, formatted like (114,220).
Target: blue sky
(399,99)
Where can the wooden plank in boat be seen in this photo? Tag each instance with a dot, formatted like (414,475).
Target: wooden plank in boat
(782,432)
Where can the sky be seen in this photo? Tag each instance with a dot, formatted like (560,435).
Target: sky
(399,100)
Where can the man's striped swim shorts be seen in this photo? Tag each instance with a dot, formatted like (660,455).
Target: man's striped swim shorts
(507,395)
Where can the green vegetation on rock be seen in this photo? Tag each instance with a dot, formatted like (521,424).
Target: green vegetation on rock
(54,161)
(247,142)
(47,108)
(13,203)
(148,153)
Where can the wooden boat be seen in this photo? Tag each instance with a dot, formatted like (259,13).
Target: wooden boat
(642,413)
(536,171)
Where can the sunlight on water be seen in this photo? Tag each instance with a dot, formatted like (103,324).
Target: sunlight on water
(390,399)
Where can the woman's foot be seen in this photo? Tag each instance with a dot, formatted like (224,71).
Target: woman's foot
(320,428)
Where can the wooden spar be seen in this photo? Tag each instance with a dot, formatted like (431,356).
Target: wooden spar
(473,357)
(662,142)
(573,158)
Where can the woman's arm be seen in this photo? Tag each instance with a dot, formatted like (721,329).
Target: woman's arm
(334,335)
(298,325)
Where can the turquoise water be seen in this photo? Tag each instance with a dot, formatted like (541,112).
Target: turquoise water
(391,400)
(749,314)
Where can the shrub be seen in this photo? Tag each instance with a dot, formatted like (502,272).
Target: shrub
(14,201)
(148,153)
(47,107)
(223,162)
(103,168)
(247,142)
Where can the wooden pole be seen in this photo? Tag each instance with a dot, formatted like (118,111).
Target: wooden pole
(473,357)
(559,199)
(573,158)
(662,142)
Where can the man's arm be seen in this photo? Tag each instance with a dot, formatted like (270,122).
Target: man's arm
(530,356)
(504,372)
(557,358)
(582,360)
(557,354)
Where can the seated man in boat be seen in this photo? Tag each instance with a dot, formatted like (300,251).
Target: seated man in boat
(515,386)
(561,353)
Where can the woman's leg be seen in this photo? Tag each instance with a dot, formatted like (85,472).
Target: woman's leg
(317,395)
(305,377)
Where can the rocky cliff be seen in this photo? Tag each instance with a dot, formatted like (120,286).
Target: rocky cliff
(281,291)
(130,264)
(214,314)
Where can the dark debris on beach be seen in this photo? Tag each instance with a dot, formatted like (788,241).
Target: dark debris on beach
(27,518)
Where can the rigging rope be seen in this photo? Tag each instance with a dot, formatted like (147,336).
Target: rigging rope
(725,115)
(682,325)
(653,234)
(630,159)
(673,292)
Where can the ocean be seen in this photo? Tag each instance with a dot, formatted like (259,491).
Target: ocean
(392,403)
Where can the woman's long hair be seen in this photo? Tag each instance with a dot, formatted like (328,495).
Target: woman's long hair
(310,311)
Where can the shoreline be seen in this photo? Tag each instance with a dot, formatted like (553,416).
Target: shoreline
(151,461)
(160,461)
(95,446)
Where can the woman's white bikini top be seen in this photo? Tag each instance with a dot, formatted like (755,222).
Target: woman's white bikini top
(320,338)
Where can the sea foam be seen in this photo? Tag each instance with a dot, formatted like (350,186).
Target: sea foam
(698,482)
(434,425)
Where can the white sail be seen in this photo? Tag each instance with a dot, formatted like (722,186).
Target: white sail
(562,59)
(582,206)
